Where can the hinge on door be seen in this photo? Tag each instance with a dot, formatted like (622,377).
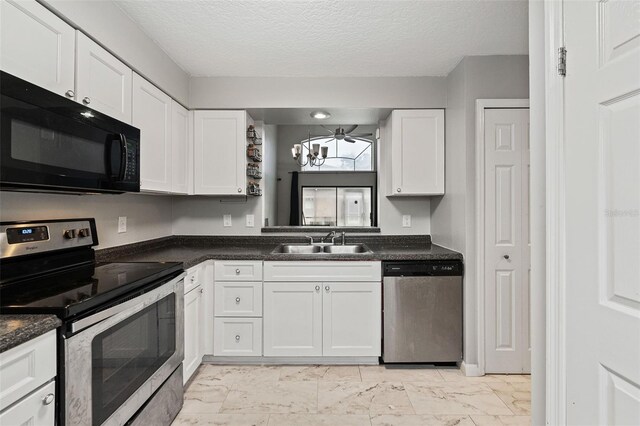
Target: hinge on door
(562,61)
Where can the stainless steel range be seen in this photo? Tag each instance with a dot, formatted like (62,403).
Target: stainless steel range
(120,348)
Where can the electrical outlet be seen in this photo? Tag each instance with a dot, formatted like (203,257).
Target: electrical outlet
(406,221)
(226,220)
(122,224)
(250,220)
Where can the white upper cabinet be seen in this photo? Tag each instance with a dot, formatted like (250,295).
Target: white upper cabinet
(37,46)
(416,153)
(220,152)
(102,81)
(181,171)
(152,115)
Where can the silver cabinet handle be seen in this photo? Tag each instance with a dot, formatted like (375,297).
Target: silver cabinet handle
(69,93)
(86,100)
(399,189)
(239,189)
(202,290)
(48,399)
(327,288)
(506,256)
(237,300)
(317,288)
(193,278)
(237,271)
(237,337)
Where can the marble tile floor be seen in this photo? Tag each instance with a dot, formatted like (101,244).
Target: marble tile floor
(313,395)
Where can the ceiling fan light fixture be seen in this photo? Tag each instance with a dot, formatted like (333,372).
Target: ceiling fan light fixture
(320,115)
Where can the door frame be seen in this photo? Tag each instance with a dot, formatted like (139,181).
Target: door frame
(481,106)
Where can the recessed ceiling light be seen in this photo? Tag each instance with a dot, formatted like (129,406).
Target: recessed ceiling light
(320,115)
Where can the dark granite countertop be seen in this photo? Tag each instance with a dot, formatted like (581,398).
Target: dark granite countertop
(194,250)
(18,329)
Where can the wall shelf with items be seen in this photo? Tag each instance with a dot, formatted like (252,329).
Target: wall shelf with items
(254,189)
(254,153)
(253,170)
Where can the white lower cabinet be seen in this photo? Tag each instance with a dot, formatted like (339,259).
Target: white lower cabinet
(322,319)
(292,319)
(39,408)
(237,336)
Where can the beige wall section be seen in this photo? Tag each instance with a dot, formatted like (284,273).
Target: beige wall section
(112,28)
(453,216)
(148,216)
(298,92)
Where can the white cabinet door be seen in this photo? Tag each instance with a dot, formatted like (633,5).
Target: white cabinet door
(417,152)
(37,46)
(102,81)
(292,319)
(193,318)
(180,149)
(220,152)
(152,115)
(351,320)
(39,408)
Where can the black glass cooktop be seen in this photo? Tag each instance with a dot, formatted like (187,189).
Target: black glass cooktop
(83,289)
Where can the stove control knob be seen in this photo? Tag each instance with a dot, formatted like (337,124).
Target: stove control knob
(84,232)
(69,234)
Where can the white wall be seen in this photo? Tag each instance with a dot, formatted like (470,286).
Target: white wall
(114,30)
(292,92)
(200,215)
(476,77)
(148,216)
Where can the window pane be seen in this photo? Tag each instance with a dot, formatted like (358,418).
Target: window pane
(319,206)
(342,155)
(354,207)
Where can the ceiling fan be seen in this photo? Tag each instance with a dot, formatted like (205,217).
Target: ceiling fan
(345,134)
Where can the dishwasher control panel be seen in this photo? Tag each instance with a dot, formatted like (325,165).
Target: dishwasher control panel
(434,268)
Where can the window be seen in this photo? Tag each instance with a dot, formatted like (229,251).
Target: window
(342,156)
(337,206)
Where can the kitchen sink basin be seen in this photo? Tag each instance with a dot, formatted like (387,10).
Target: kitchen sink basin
(298,249)
(347,249)
(321,249)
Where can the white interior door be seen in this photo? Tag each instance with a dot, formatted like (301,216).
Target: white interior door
(601,260)
(507,245)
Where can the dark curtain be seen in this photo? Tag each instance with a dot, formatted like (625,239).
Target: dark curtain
(294,215)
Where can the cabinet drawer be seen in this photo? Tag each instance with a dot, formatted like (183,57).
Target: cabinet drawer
(39,408)
(27,367)
(238,299)
(241,270)
(322,271)
(195,277)
(237,337)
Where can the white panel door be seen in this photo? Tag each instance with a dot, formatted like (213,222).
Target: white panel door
(152,115)
(193,319)
(292,319)
(37,46)
(507,246)
(180,149)
(417,152)
(351,319)
(601,261)
(102,81)
(38,409)
(220,152)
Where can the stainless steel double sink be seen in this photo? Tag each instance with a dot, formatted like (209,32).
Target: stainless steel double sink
(321,249)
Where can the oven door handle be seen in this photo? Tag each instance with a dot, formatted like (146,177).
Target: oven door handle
(83,323)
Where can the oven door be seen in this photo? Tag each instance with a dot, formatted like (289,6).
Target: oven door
(111,368)
(50,143)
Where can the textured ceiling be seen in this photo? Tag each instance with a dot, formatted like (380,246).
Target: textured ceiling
(336,38)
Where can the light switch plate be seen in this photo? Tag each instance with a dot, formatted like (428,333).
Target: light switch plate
(122,224)
(226,220)
(250,220)
(406,221)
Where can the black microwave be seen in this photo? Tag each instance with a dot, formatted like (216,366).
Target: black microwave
(49,143)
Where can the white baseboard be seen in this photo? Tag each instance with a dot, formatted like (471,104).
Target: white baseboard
(471,370)
(261,360)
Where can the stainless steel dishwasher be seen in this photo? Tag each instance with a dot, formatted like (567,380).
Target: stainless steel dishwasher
(422,311)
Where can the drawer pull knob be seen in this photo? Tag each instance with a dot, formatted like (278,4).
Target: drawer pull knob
(327,288)
(317,288)
(48,399)
(237,300)
(202,290)
(237,271)
(193,278)
(237,337)
(86,100)
(399,190)
(69,93)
